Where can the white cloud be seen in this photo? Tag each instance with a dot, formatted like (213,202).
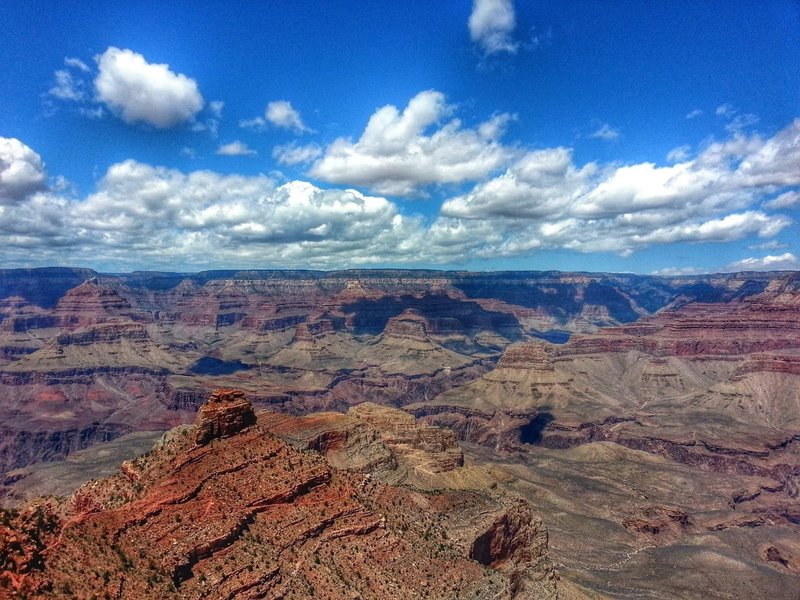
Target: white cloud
(492,24)
(787,261)
(235,148)
(70,84)
(216,106)
(606,132)
(545,200)
(770,245)
(694,114)
(724,229)
(737,122)
(495,127)
(254,123)
(725,110)
(67,87)
(678,271)
(281,114)
(76,63)
(141,92)
(785,200)
(292,154)
(541,184)
(154,217)
(399,152)
(679,154)
(144,215)
(21,171)
(740,122)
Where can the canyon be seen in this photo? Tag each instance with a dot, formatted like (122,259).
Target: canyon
(576,434)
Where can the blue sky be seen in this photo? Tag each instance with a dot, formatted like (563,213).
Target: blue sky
(604,136)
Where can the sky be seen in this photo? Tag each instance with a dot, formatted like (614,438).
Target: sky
(646,137)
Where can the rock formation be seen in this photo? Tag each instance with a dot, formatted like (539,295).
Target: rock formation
(251,516)
(227,412)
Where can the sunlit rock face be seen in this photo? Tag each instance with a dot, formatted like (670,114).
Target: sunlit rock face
(248,513)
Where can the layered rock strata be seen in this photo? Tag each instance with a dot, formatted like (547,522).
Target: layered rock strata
(249,516)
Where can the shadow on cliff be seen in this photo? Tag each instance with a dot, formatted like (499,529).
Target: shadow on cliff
(533,432)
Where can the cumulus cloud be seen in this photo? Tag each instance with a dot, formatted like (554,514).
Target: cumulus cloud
(782,262)
(541,184)
(694,114)
(492,24)
(545,200)
(142,215)
(605,132)
(399,152)
(146,216)
(292,154)
(142,92)
(21,171)
(235,148)
(281,114)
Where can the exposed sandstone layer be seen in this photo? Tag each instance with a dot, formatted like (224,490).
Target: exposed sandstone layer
(249,516)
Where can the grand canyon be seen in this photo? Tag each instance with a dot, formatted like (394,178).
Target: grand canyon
(398,434)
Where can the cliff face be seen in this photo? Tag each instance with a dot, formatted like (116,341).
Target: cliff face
(247,515)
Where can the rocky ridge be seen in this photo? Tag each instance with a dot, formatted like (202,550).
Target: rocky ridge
(244,514)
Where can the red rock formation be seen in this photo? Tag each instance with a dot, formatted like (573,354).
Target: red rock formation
(410,324)
(91,303)
(249,516)
(769,321)
(308,332)
(526,356)
(103,333)
(226,412)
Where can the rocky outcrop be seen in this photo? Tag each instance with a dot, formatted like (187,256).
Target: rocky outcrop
(501,430)
(309,332)
(514,541)
(103,333)
(227,412)
(526,356)
(252,516)
(410,324)
(373,438)
(90,303)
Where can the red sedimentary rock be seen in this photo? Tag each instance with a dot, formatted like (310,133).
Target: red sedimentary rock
(226,412)
(251,516)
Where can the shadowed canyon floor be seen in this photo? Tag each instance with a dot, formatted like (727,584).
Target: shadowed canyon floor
(659,446)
